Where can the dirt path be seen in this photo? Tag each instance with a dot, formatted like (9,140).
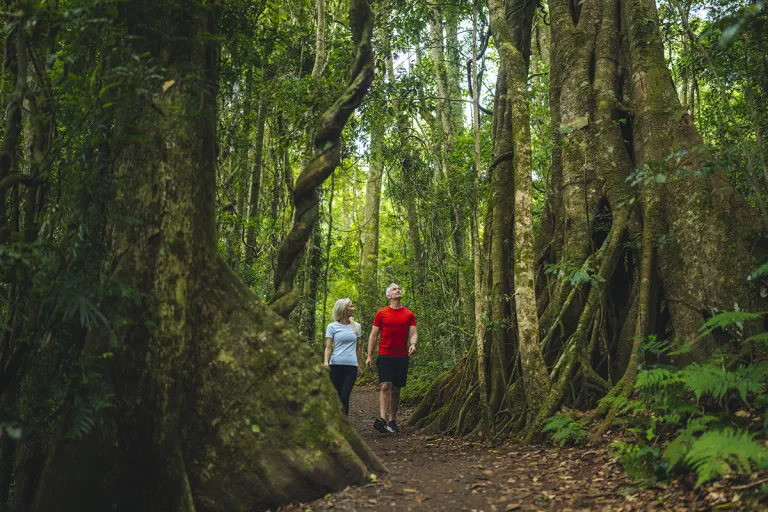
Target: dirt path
(428,472)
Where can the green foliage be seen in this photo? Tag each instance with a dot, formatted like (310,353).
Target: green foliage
(565,430)
(689,418)
(640,461)
(713,380)
(728,319)
(761,271)
(717,453)
(573,272)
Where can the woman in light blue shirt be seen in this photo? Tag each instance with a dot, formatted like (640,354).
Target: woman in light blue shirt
(343,336)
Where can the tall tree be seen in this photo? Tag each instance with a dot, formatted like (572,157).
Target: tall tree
(449,114)
(194,366)
(641,236)
(252,228)
(515,55)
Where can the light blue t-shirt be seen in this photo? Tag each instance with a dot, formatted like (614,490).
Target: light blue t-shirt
(344,343)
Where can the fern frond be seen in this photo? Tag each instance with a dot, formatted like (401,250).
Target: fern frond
(758,338)
(708,379)
(678,448)
(760,271)
(719,452)
(751,379)
(683,348)
(656,378)
(723,320)
(565,429)
(711,379)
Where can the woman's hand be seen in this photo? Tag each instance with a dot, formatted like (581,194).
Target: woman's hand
(325,363)
(359,371)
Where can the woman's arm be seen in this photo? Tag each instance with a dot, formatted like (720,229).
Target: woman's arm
(328,347)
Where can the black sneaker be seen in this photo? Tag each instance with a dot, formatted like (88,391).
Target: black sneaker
(392,425)
(380,425)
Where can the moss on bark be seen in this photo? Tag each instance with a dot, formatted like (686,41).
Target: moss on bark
(218,405)
(625,253)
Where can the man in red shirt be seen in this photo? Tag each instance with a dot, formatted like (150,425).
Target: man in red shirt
(397,325)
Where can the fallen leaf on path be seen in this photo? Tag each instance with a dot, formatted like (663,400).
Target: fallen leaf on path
(406,489)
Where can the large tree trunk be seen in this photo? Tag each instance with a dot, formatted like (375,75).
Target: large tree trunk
(628,263)
(196,422)
(486,415)
(435,410)
(516,115)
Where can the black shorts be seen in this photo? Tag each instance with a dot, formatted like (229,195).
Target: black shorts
(393,369)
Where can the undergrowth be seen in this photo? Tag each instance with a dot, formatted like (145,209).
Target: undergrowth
(708,418)
(565,430)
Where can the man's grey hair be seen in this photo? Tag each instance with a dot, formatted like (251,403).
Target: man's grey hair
(389,288)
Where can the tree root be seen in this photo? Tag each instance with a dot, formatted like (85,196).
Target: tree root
(575,353)
(444,409)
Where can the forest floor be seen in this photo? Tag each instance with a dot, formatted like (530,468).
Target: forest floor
(432,472)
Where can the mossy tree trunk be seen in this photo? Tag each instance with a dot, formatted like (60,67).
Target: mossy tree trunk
(516,65)
(194,363)
(628,262)
(455,410)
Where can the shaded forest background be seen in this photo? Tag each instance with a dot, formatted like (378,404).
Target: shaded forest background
(574,198)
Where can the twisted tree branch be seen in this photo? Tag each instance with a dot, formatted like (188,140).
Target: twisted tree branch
(327,154)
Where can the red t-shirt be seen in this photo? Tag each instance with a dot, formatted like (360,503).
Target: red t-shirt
(394,324)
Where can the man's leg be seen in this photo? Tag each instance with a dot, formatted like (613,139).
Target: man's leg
(384,398)
(394,395)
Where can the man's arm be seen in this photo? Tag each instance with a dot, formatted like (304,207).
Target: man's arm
(372,339)
(413,338)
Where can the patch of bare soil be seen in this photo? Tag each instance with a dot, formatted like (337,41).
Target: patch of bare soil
(429,472)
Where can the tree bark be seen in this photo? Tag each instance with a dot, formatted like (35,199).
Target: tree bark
(320,57)
(486,415)
(628,262)
(516,67)
(193,371)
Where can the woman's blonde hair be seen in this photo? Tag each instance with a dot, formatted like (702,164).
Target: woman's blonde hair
(340,309)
